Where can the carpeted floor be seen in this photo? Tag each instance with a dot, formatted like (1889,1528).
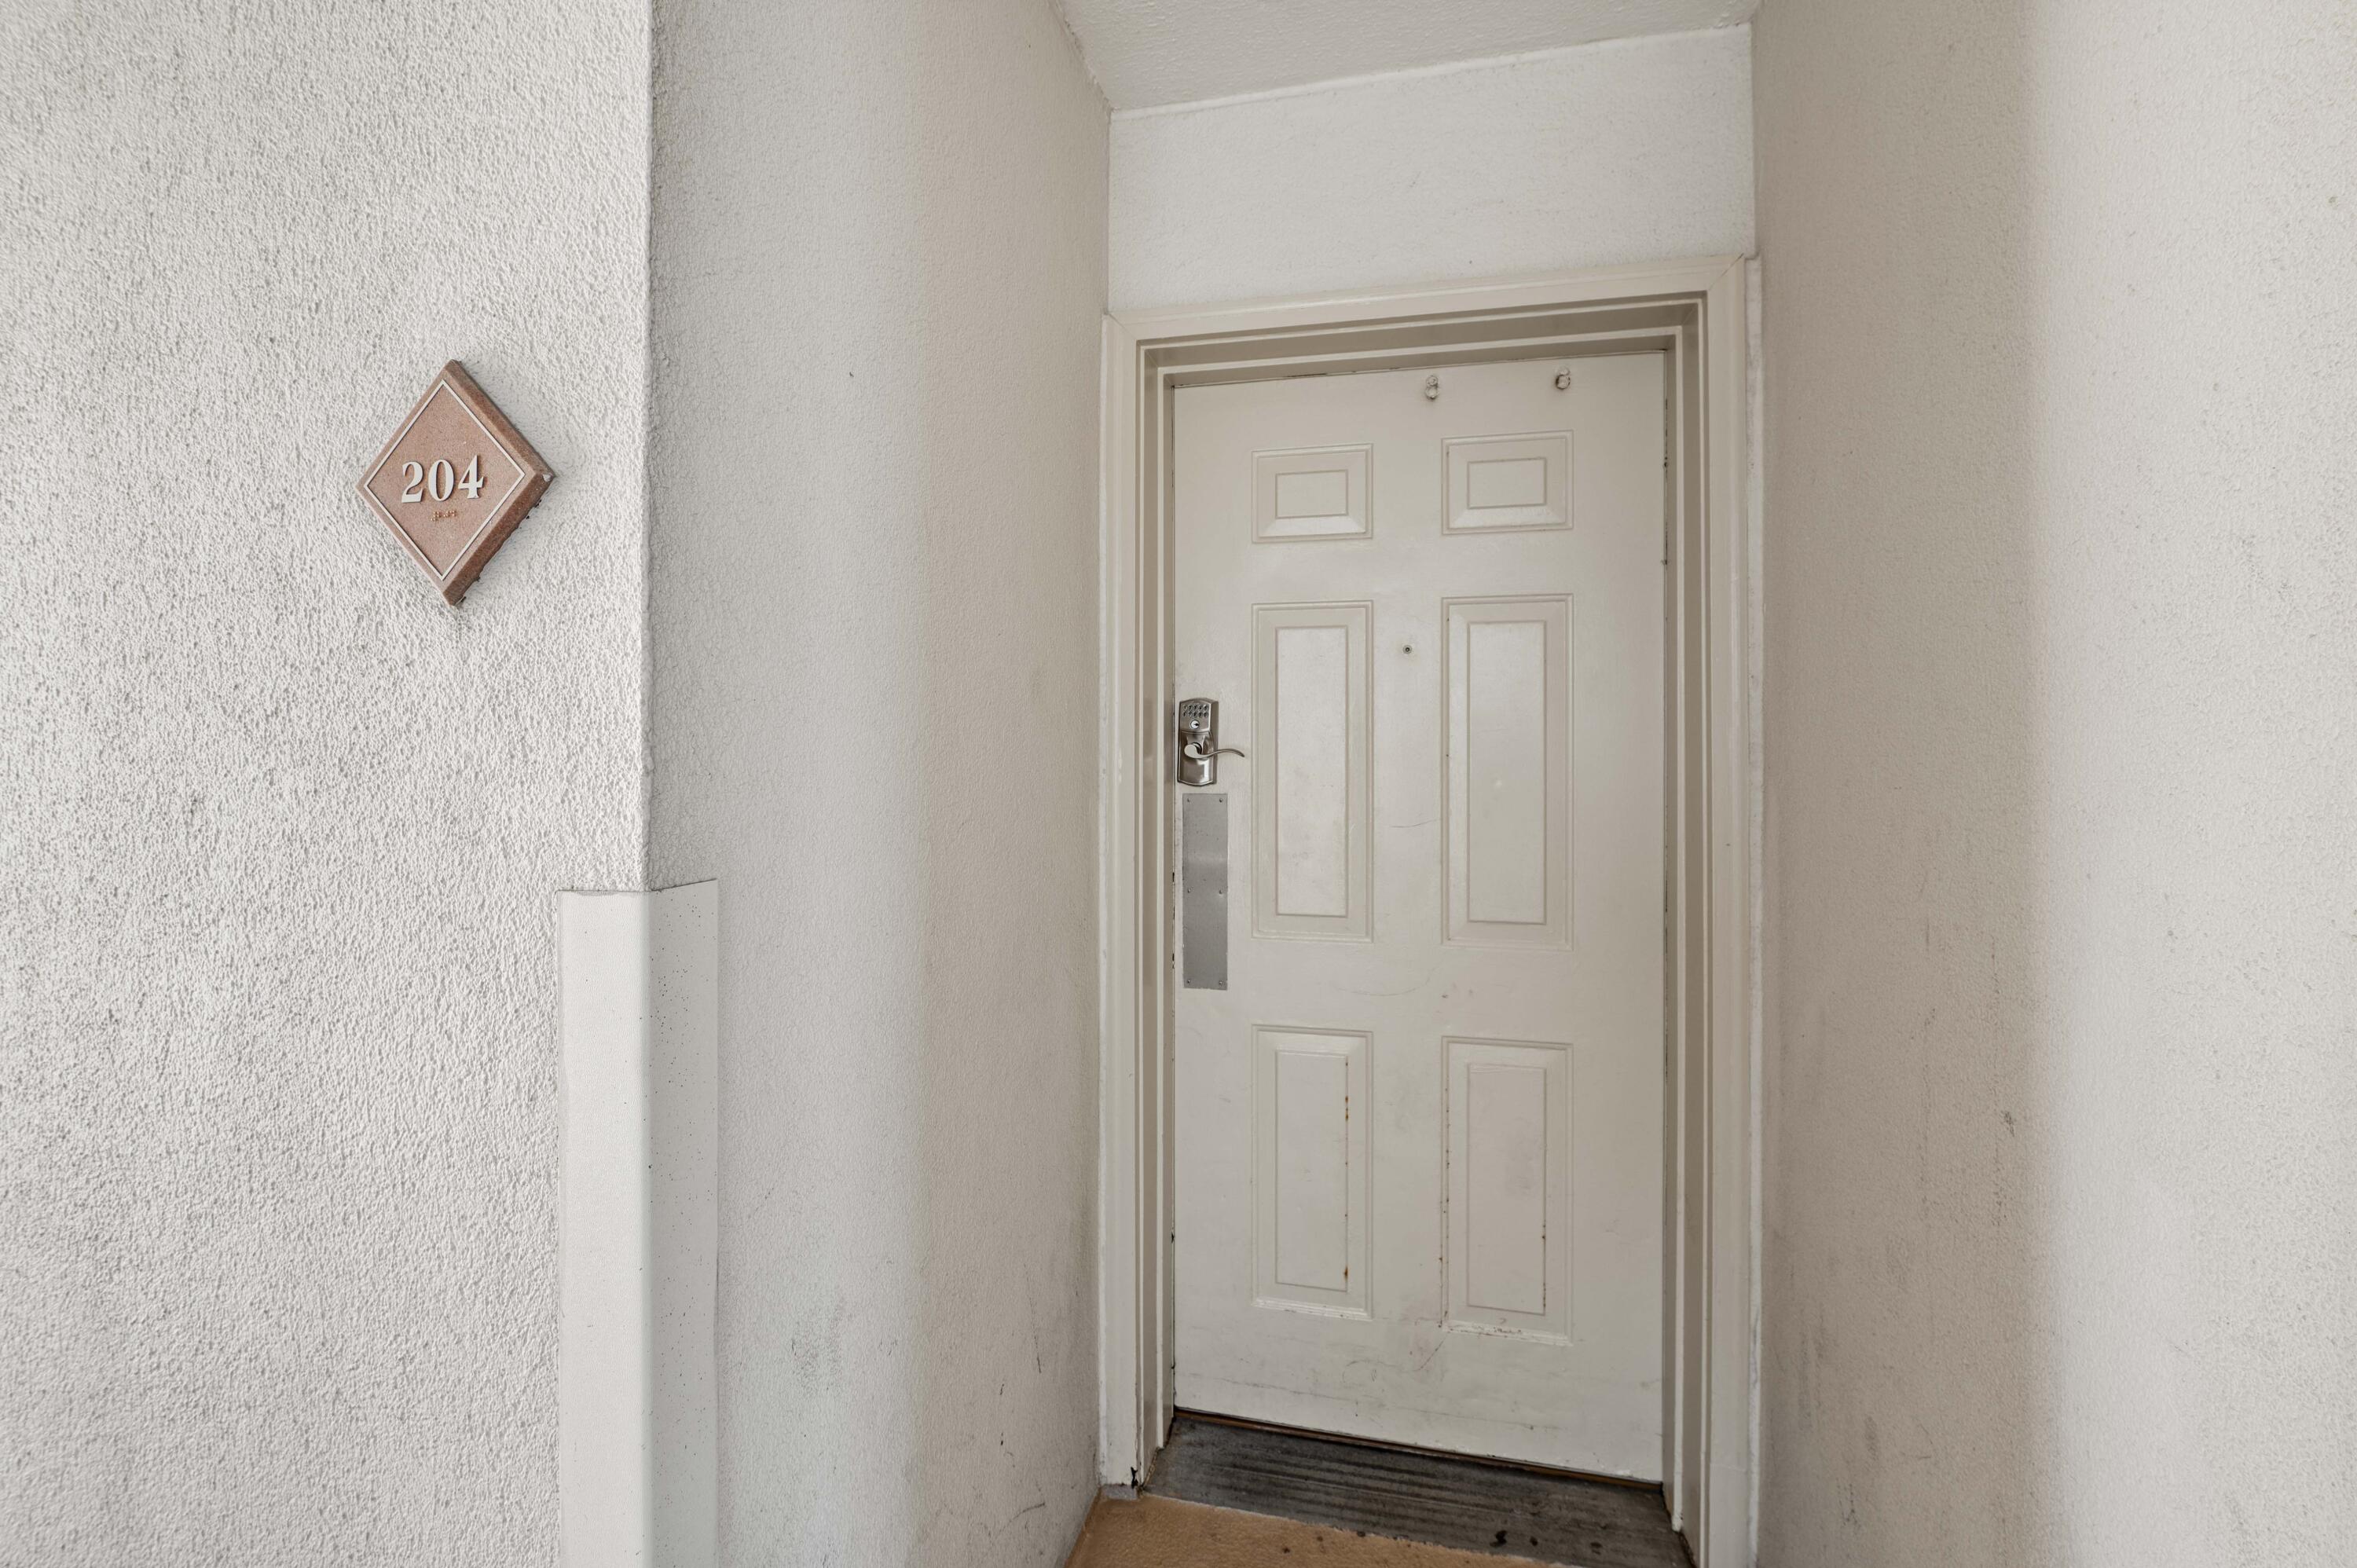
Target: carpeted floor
(1158,1532)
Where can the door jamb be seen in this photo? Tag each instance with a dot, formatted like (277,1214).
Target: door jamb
(1711,1318)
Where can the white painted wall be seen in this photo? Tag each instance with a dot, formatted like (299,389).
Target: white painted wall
(1178,51)
(280,831)
(1635,151)
(878,264)
(2061,608)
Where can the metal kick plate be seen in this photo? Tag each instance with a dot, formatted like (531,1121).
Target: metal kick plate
(1203,892)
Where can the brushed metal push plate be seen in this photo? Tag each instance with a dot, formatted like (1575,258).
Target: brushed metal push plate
(1203,892)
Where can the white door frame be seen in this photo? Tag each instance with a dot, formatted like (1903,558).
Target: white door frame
(1694,311)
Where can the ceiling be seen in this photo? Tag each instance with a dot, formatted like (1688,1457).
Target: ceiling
(1150,53)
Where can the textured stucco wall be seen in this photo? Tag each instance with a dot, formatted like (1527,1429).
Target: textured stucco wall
(1637,151)
(2061,727)
(279,831)
(879,262)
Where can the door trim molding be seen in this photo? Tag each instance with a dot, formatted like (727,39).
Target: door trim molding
(1698,312)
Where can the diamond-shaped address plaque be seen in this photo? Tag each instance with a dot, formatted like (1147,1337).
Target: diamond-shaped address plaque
(454,480)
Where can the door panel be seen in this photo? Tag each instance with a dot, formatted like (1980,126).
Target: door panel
(1509,481)
(1310,822)
(1309,1170)
(1509,771)
(1418,1137)
(1509,1186)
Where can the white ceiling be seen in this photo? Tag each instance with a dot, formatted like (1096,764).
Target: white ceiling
(1149,52)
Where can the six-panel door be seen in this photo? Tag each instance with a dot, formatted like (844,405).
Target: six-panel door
(1419,1135)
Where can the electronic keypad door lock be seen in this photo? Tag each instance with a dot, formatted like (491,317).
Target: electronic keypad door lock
(1199,742)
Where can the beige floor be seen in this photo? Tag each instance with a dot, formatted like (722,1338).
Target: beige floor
(1156,1532)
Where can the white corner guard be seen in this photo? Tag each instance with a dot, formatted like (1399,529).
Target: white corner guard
(639,1229)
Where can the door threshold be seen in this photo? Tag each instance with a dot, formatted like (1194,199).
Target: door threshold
(1214,1418)
(1496,1508)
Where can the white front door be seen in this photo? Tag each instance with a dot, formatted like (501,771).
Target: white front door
(1419,1132)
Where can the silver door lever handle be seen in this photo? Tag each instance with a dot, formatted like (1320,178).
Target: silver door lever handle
(1198,743)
